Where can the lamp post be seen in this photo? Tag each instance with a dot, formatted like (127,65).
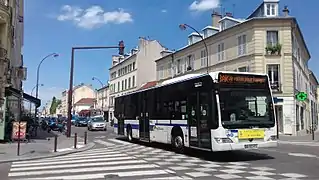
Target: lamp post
(38,76)
(70,92)
(183,27)
(102,85)
(32,92)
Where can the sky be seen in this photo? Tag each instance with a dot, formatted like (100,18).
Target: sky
(56,26)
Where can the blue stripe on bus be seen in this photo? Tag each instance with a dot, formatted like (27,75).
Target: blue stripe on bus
(136,126)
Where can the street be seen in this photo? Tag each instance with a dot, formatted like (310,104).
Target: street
(114,156)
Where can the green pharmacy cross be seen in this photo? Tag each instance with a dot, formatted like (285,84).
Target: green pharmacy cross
(301,96)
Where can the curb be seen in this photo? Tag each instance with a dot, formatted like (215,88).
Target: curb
(87,147)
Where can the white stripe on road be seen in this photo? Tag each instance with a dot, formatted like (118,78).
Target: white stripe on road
(74,161)
(81,170)
(104,142)
(73,158)
(167,178)
(77,165)
(102,175)
(118,141)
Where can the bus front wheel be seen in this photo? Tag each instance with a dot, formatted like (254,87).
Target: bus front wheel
(178,143)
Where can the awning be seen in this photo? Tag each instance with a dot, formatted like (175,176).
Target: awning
(84,112)
(15,92)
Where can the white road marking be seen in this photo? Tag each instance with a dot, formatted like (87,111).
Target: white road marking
(104,142)
(302,155)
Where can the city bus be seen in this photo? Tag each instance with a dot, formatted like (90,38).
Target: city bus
(219,111)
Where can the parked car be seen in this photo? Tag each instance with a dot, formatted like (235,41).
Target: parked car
(97,123)
(81,121)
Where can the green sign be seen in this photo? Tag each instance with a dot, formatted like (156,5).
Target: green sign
(302,96)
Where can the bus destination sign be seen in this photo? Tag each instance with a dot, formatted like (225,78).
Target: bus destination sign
(241,79)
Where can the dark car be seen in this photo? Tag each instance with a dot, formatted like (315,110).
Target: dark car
(81,121)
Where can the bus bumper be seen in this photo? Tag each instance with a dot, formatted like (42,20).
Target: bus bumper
(243,146)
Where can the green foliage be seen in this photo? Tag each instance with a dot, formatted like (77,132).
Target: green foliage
(54,104)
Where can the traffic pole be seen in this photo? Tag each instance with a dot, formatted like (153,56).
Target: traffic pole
(55,143)
(18,148)
(75,139)
(85,137)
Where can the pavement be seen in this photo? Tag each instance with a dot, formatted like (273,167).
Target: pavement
(40,147)
(305,140)
(114,158)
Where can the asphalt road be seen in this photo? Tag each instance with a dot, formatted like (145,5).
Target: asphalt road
(140,160)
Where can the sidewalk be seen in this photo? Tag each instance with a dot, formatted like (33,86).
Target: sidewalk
(42,146)
(305,140)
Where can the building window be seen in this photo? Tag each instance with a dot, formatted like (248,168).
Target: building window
(179,67)
(203,60)
(125,69)
(221,52)
(133,81)
(243,69)
(271,10)
(169,69)
(190,62)
(272,38)
(129,82)
(273,73)
(241,45)
(133,65)
(125,84)
(122,85)
(118,86)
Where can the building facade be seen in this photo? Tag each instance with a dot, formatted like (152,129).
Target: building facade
(79,92)
(131,71)
(12,72)
(265,42)
(102,99)
(313,102)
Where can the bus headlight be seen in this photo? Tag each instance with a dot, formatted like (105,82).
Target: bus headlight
(223,140)
(272,138)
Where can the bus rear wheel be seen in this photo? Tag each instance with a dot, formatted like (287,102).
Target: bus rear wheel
(178,143)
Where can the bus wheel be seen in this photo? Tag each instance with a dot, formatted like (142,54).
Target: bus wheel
(178,143)
(129,134)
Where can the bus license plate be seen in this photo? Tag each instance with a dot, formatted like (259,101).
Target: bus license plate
(251,134)
(251,146)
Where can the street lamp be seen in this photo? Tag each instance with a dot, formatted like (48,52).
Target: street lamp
(102,85)
(32,92)
(183,27)
(120,47)
(38,74)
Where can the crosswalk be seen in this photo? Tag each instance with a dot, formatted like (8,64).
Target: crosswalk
(93,164)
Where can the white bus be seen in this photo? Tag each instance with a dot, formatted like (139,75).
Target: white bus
(219,111)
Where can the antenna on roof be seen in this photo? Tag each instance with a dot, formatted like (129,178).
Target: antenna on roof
(234,5)
(221,9)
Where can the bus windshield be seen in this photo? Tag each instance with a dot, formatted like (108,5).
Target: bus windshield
(243,108)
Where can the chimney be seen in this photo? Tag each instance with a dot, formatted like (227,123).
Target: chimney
(228,14)
(215,18)
(286,11)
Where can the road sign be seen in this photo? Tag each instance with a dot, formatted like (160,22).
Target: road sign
(302,96)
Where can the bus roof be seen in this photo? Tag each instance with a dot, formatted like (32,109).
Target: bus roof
(214,76)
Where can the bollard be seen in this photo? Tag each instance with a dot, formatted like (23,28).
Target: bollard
(75,139)
(85,137)
(55,143)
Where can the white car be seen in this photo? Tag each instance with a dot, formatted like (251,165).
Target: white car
(97,123)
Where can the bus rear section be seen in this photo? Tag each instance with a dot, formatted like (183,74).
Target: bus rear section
(246,112)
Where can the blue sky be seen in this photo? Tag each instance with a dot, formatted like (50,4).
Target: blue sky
(46,31)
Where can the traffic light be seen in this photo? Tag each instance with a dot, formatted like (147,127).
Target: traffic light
(121,48)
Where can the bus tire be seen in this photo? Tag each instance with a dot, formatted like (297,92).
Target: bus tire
(178,141)
(129,133)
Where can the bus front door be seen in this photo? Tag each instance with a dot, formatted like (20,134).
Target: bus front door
(199,126)
(144,122)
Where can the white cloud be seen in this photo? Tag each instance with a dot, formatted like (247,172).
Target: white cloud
(204,5)
(93,17)
(164,11)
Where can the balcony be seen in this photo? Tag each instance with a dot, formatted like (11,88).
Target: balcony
(276,87)
(5,10)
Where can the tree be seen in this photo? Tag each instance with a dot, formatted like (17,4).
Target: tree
(52,107)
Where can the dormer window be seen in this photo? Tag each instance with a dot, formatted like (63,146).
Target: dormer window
(271,9)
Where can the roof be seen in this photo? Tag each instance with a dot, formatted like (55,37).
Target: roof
(85,101)
(240,24)
(104,87)
(148,85)
(314,77)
